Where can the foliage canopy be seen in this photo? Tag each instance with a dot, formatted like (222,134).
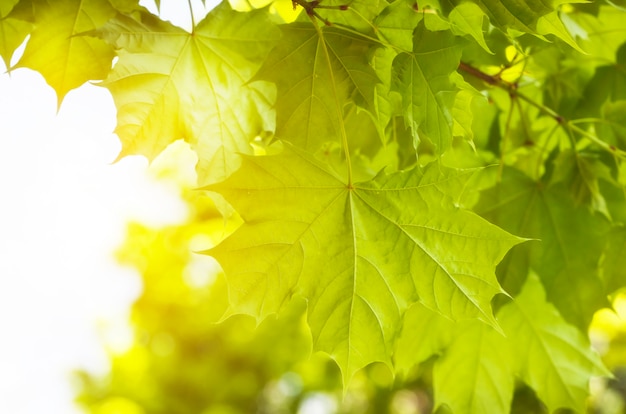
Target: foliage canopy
(442,179)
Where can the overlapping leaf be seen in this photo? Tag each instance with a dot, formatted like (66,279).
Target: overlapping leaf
(487,376)
(570,241)
(15,25)
(424,333)
(169,84)
(515,14)
(614,270)
(537,345)
(58,48)
(600,35)
(554,358)
(396,22)
(423,79)
(359,253)
(317,71)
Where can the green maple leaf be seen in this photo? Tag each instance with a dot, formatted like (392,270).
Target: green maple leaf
(423,79)
(359,253)
(582,174)
(424,333)
(58,48)
(317,71)
(600,35)
(476,358)
(515,14)
(387,104)
(15,25)
(467,18)
(170,84)
(551,24)
(614,269)
(551,356)
(395,24)
(607,85)
(612,128)
(570,241)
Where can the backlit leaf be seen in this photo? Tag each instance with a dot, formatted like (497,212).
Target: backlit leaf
(169,84)
(566,255)
(14,27)
(423,79)
(396,23)
(519,15)
(58,47)
(360,254)
(317,71)
(487,376)
(554,358)
(424,333)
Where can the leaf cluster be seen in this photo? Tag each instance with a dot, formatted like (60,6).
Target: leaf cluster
(436,180)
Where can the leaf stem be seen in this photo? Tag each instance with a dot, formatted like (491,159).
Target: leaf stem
(193,19)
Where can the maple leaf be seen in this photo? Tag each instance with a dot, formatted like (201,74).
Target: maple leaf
(515,14)
(537,345)
(15,25)
(170,84)
(424,333)
(360,254)
(570,240)
(58,47)
(317,71)
(614,269)
(554,358)
(477,358)
(396,22)
(467,18)
(422,78)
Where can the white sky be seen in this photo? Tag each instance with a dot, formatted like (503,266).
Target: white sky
(63,209)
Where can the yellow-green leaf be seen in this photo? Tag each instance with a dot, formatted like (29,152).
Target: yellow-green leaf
(476,362)
(359,253)
(423,79)
(59,48)
(170,84)
(317,71)
(14,27)
(552,357)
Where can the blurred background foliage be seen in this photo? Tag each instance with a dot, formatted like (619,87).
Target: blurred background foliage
(188,356)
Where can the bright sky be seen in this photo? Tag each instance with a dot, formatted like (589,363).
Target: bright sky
(63,211)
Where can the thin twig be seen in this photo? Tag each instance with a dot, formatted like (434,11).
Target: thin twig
(513,91)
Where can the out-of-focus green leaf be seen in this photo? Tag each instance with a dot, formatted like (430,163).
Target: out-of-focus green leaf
(424,333)
(614,269)
(569,242)
(554,358)
(476,358)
